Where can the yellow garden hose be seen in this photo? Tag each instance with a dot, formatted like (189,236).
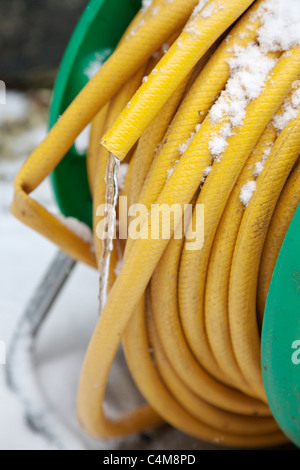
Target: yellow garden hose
(97,131)
(249,244)
(196,38)
(283,214)
(189,318)
(128,58)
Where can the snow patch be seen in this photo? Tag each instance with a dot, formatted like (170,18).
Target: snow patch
(146,4)
(280,29)
(95,65)
(183,147)
(82,141)
(123,170)
(259,166)
(199,7)
(79,228)
(247,192)
(16,108)
(249,70)
(291,109)
(171,170)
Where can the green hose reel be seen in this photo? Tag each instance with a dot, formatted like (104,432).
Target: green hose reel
(98,32)
(95,37)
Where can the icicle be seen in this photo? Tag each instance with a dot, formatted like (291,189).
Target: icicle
(111,200)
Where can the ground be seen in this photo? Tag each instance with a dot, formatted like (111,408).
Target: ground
(61,345)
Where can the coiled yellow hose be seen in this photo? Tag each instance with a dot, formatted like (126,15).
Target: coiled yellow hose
(190,320)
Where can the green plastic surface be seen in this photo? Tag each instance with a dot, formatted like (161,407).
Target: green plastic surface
(281,336)
(96,35)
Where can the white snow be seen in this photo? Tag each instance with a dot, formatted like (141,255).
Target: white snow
(155,10)
(118,267)
(82,141)
(259,166)
(171,170)
(247,192)
(207,170)
(218,143)
(123,170)
(206,173)
(280,28)
(211,9)
(199,7)
(96,63)
(183,147)
(62,342)
(28,140)
(291,109)
(146,4)
(15,109)
(249,70)
(79,228)
(203,10)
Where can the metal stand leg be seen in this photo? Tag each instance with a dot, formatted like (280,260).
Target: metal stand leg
(21,371)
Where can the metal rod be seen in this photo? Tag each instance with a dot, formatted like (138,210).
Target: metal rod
(21,364)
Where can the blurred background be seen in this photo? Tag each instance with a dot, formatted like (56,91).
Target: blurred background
(33,37)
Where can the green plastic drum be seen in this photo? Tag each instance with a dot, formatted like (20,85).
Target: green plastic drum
(94,39)
(281,336)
